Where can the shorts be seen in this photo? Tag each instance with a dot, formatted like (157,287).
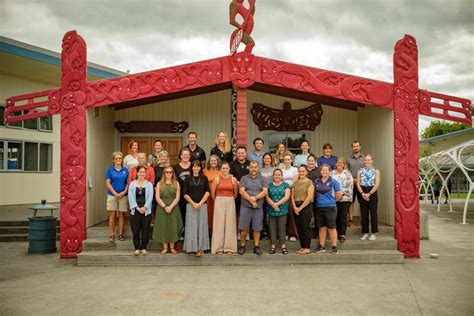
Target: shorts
(251,217)
(117,205)
(326,216)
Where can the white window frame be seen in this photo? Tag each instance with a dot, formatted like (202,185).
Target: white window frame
(22,142)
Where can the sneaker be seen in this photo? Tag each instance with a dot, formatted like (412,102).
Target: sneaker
(334,250)
(257,250)
(144,252)
(292,238)
(320,249)
(342,238)
(286,238)
(241,250)
(136,253)
(238,237)
(373,237)
(364,237)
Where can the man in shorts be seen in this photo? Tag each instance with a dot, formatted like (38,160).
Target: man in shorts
(253,189)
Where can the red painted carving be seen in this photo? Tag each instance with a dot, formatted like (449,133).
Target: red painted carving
(243,31)
(151,127)
(326,83)
(406,104)
(267,118)
(242,125)
(445,107)
(73,145)
(242,72)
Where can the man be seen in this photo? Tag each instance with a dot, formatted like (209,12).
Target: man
(354,163)
(327,158)
(197,153)
(240,166)
(253,189)
(257,153)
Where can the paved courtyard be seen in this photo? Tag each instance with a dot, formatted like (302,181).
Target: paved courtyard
(44,284)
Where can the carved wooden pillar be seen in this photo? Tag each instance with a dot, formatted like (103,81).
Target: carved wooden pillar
(406,110)
(242,75)
(73,145)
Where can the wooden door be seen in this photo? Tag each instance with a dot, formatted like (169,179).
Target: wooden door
(146,144)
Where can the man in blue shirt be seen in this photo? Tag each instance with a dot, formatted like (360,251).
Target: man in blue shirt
(327,157)
(257,153)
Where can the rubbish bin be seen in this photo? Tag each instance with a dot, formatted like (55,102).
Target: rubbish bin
(42,230)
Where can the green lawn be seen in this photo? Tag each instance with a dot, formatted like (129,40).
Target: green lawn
(455,195)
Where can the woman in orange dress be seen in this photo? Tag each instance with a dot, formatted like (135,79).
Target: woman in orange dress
(212,171)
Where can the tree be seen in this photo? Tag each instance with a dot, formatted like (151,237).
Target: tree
(437,128)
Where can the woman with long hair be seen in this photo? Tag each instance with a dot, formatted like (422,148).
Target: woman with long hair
(222,149)
(302,158)
(131,160)
(140,197)
(277,208)
(117,202)
(211,172)
(279,155)
(224,191)
(196,192)
(164,161)
(344,177)
(290,174)
(168,222)
(183,171)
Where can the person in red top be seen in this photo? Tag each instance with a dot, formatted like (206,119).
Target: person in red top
(149,171)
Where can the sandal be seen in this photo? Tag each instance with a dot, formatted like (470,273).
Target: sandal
(284,251)
(173,251)
(112,238)
(272,250)
(164,251)
(121,238)
(350,223)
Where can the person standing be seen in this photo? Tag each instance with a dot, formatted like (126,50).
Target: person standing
(222,149)
(302,158)
(436,184)
(368,182)
(168,222)
(253,189)
(154,158)
(257,153)
(149,171)
(279,155)
(183,171)
(344,177)
(196,192)
(195,152)
(116,183)
(211,172)
(327,157)
(267,172)
(302,196)
(239,168)
(354,163)
(140,197)
(290,174)
(164,161)
(131,160)
(328,192)
(277,208)
(313,170)
(224,191)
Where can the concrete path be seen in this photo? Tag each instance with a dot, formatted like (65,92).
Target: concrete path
(43,284)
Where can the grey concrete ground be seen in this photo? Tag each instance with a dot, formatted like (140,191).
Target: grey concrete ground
(43,284)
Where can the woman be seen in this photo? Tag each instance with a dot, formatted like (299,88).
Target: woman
(344,177)
(279,155)
(328,192)
(196,192)
(149,171)
(140,197)
(313,170)
(211,172)
(277,208)
(290,174)
(267,172)
(154,158)
(302,195)
(131,160)
(368,181)
(183,171)
(168,222)
(302,159)
(116,183)
(224,191)
(158,170)
(222,149)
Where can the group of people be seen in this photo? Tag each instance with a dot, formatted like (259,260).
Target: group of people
(215,203)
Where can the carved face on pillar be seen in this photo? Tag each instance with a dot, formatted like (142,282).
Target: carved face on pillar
(407,193)
(242,72)
(71,242)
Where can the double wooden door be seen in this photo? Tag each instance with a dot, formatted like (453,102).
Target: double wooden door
(146,144)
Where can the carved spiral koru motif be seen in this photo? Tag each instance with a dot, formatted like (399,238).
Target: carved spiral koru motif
(267,118)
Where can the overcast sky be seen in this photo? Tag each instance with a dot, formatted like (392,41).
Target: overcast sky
(351,36)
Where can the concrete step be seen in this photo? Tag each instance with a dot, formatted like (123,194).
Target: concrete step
(382,243)
(126,258)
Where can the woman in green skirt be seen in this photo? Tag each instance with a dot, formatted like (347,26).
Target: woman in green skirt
(168,223)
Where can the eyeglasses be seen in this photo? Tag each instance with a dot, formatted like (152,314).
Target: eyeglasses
(118,158)
(168,171)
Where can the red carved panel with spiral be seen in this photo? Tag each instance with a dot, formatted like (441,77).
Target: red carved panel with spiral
(406,105)
(73,145)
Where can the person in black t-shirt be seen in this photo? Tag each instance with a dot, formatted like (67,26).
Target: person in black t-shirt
(196,152)
(183,171)
(223,149)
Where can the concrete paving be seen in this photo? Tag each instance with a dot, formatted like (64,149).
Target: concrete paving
(44,284)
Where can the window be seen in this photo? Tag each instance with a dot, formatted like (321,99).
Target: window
(44,124)
(292,141)
(26,156)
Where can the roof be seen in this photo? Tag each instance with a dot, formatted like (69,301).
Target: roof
(448,135)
